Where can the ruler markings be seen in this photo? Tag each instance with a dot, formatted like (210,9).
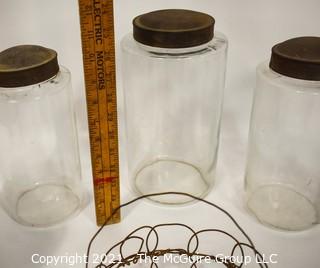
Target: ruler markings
(97,31)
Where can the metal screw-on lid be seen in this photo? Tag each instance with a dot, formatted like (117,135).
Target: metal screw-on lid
(298,58)
(26,65)
(173,28)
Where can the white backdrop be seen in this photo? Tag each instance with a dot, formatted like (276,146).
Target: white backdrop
(252,27)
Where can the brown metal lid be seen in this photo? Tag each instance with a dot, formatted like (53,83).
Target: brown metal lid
(298,58)
(173,28)
(26,65)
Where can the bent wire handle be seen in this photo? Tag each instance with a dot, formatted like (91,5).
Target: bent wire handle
(250,245)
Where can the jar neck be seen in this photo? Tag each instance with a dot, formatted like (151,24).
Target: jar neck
(173,51)
(265,73)
(36,91)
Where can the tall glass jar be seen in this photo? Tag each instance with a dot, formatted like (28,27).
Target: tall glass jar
(283,171)
(40,180)
(174,71)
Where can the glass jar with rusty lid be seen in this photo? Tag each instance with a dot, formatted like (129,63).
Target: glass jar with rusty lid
(283,171)
(40,177)
(173,73)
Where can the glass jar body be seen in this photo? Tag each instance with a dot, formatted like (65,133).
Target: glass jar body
(173,101)
(282,176)
(39,162)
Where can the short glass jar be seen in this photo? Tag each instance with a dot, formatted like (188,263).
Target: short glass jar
(174,72)
(283,171)
(40,180)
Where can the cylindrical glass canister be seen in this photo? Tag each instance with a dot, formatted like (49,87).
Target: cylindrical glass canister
(283,171)
(174,72)
(40,180)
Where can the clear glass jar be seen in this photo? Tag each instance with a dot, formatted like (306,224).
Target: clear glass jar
(173,98)
(40,180)
(283,171)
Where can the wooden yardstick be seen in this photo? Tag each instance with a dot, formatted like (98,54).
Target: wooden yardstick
(98,49)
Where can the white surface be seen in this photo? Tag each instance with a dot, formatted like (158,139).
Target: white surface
(252,28)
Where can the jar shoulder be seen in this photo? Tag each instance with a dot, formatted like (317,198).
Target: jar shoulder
(217,45)
(61,80)
(59,83)
(266,75)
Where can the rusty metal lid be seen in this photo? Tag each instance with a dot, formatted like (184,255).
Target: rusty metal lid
(27,65)
(297,58)
(173,28)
